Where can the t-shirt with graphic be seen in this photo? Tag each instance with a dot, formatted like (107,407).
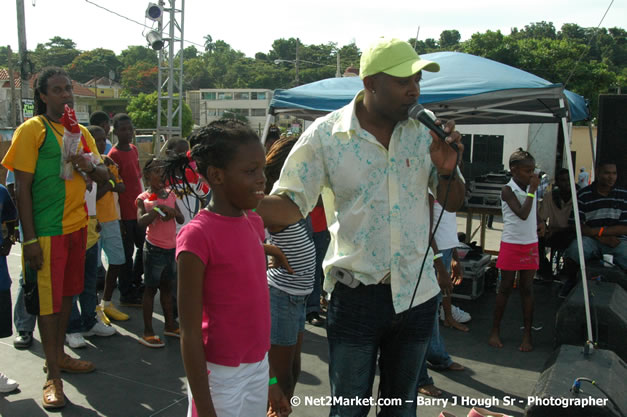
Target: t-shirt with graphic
(58,204)
(128,164)
(105,206)
(160,233)
(236,301)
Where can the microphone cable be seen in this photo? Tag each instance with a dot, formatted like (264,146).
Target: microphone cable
(422,265)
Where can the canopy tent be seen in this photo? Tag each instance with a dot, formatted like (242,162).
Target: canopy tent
(469,90)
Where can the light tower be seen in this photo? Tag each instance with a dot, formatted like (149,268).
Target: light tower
(170,84)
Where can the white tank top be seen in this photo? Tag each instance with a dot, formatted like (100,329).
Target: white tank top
(515,229)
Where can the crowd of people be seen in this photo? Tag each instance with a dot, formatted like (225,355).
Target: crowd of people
(233,236)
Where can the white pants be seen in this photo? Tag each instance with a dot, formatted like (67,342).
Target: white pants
(236,391)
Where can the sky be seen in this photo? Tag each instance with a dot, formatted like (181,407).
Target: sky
(252,25)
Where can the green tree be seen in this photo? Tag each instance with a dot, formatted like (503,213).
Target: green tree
(136,53)
(233,114)
(58,52)
(196,74)
(95,63)
(209,45)
(190,52)
(143,110)
(141,77)
(449,40)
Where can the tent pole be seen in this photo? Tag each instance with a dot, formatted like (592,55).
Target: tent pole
(266,128)
(594,159)
(582,261)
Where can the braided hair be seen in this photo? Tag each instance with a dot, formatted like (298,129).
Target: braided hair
(519,156)
(41,86)
(276,158)
(212,145)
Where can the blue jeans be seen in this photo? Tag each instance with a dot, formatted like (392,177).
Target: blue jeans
(321,242)
(86,319)
(361,326)
(287,314)
(593,249)
(24,322)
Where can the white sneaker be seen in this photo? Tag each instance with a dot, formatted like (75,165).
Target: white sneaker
(460,315)
(7,384)
(100,329)
(75,340)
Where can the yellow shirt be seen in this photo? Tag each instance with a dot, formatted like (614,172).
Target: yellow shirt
(376,199)
(105,206)
(58,204)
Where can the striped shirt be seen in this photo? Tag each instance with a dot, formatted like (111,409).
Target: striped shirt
(296,243)
(596,210)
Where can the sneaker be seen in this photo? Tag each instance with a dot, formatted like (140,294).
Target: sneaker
(442,317)
(460,315)
(101,316)
(75,340)
(114,313)
(100,329)
(7,384)
(23,340)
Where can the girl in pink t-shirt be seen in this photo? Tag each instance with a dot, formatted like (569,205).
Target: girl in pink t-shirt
(156,211)
(223,295)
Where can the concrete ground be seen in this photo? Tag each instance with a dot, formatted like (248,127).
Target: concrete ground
(134,381)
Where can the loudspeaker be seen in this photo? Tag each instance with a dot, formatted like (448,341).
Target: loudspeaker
(612,133)
(605,273)
(608,314)
(551,397)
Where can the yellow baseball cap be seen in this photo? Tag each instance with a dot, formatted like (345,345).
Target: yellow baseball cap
(393,57)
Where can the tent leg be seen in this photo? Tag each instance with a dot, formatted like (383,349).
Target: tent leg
(592,150)
(269,118)
(582,261)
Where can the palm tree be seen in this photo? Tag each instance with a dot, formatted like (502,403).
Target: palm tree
(209,45)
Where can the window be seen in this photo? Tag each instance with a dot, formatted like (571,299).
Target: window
(242,112)
(225,96)
(258,112)
(209,96)
(212,112)
(258,96)
(241,96)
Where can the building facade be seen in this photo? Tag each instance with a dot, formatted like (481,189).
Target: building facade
(209,104)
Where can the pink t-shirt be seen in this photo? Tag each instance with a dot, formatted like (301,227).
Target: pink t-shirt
(236,301)
(160,233)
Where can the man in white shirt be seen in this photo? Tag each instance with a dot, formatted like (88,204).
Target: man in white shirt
(373,167)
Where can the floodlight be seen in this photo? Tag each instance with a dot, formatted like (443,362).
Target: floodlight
(154,40)
(154,11)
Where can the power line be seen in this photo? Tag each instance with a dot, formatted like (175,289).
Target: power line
(589,43)
(135,21)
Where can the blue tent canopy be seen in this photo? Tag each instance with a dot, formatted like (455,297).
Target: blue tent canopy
(468,89)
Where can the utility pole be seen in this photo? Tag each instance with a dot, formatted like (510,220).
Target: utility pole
(296,63)
(170,74)
(13,109)
(338,72)
(23,52)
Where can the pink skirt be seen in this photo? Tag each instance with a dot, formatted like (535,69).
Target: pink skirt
(516,257)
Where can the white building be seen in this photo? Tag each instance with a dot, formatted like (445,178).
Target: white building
(209,104)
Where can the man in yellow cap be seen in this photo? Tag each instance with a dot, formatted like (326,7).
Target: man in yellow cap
(374,166)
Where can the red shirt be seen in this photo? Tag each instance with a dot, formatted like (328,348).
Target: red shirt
(128,163)
(318,219)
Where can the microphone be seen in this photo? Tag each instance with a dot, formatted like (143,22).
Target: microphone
(418,112)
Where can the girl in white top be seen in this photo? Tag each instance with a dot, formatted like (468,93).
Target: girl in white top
(519,243)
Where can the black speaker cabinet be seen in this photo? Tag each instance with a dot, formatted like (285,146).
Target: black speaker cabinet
(612,133)
(551,397)
(608,314)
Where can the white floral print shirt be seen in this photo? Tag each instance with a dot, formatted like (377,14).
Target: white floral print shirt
(376,200)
